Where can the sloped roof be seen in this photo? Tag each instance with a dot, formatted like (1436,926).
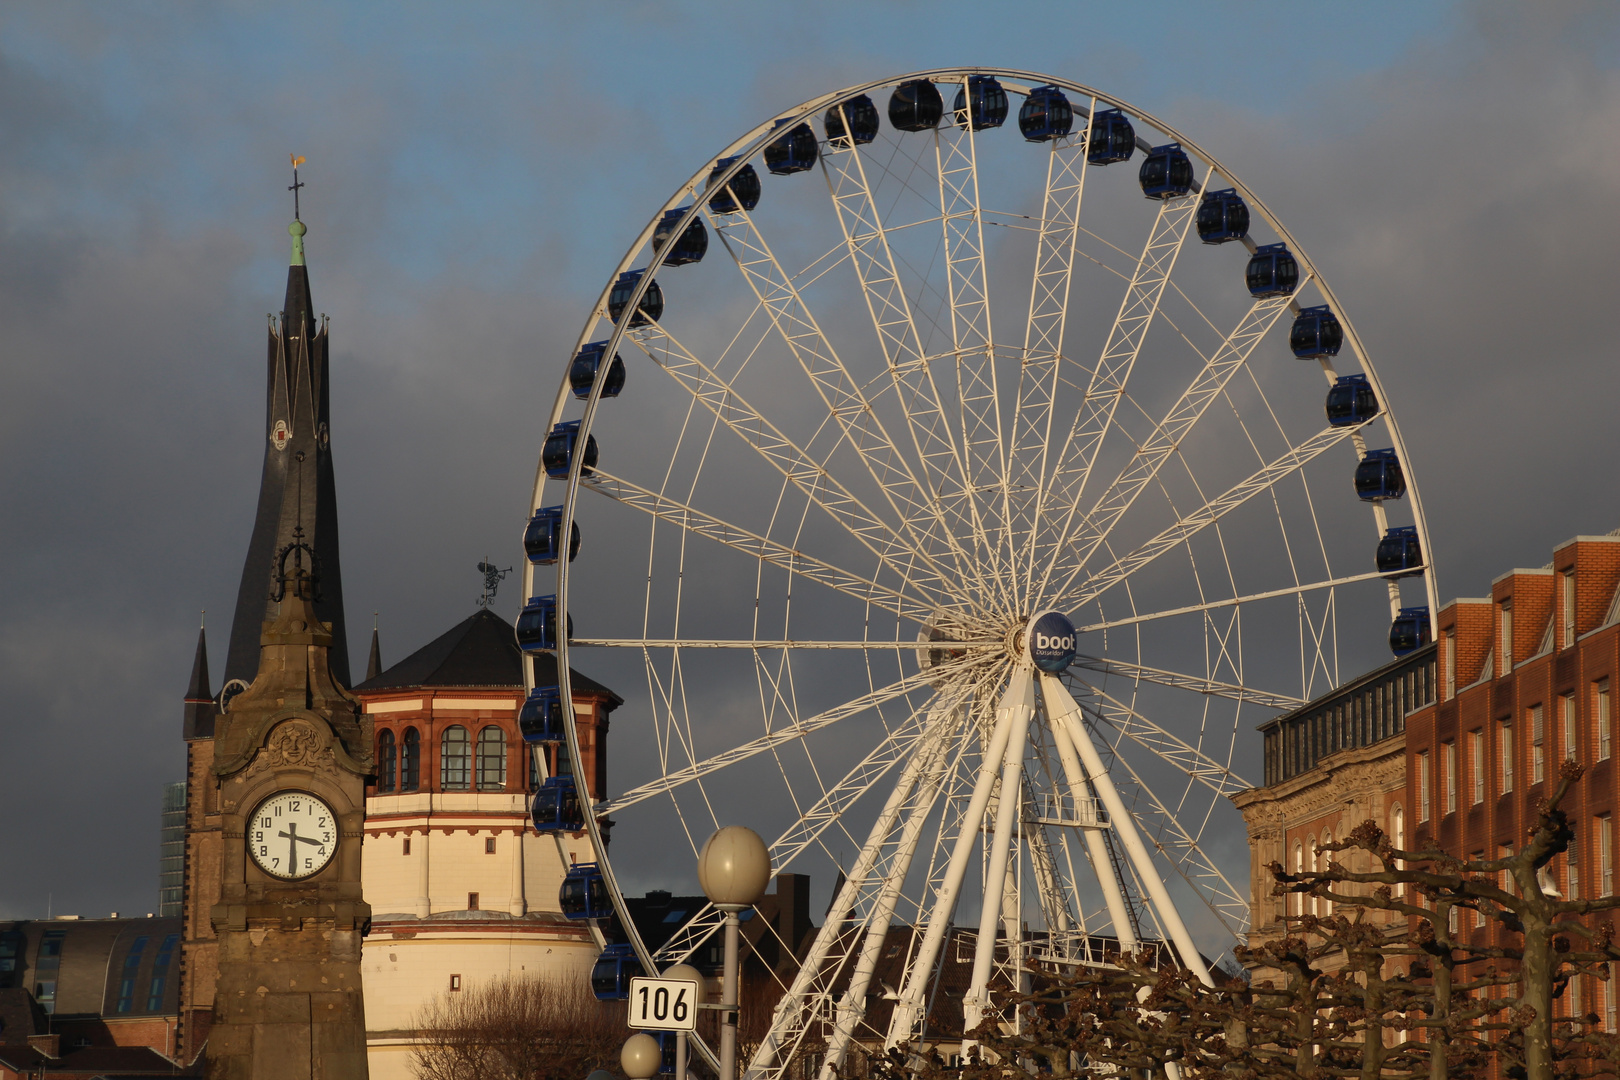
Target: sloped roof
(480,650)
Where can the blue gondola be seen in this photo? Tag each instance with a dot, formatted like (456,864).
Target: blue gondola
(1399,553)
(690,248)
(1110,139)
(582,373)
(540,720)
(1379,476)
(1046,114)
(556,806)
(1166,172)
(1410,631)
(584,893)
(916,106)
(989,103)
(612,972)
(1316,333)
(1272,271)
(795,150)
(1351,401)
(542,539)
(862,116)
(1223,216)
(558,452)
(742,193)
(537,625)
(649,310)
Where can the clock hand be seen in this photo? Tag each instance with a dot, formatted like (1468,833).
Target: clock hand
(292,847)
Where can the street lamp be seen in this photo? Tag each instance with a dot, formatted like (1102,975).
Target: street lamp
(641,1057)
(733,869)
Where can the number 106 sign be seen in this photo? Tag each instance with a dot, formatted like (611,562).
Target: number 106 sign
(663,1004)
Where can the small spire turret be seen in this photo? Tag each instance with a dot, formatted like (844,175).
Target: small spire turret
(199,716)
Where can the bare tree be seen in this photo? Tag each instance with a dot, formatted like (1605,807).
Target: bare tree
(518,1029)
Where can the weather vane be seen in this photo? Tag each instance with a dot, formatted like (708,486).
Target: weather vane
(296,161)
(492,580)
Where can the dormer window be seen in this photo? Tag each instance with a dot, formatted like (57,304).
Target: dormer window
(1566,590)
(1505,649)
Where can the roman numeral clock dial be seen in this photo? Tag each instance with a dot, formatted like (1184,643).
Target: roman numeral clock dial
(292,835)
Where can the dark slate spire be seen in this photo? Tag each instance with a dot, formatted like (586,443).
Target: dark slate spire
(374,662)
(297,484)
(200,710)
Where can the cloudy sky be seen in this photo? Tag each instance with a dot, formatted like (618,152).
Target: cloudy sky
(474,173)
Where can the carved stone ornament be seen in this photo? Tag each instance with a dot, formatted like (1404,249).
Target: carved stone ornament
(295,743)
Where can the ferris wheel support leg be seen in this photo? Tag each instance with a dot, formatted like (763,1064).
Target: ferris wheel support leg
(941,732)
(1096,848)
(1064,711)
(1020,703)
(909,1008)
(853,1007)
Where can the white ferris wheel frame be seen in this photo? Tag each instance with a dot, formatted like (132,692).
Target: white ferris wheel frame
(971,333)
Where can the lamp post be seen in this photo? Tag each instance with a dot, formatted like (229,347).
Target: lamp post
(733,868)
(684,971)
(640,1057)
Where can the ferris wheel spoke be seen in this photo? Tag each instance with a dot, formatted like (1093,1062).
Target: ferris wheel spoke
(843,397)
(1198,684)
(1212,511)
(810,477)
(944,475)
(1059,495)
(1190,760)
(909,802)
(793,732)
(759,644)
(919,608)
(1235,601)
(984,450)
(1055,247)
(1081,534)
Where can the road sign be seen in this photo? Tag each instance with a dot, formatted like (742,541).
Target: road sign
(663,1004)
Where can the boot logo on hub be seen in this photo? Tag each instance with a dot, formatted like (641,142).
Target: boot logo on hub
(1051,641)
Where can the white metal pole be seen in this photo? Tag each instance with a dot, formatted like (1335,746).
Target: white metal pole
(680,1054)
(1022,694)
(907,1009)
(728,999)
(1062,709)
(1096,848)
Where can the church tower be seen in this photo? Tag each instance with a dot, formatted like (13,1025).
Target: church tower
(296,493)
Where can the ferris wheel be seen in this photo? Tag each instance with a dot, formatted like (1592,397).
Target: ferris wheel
(947,459)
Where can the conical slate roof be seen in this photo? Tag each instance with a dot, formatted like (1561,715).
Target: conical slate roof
(480,650)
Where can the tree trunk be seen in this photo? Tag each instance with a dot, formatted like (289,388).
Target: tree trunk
(1535,982)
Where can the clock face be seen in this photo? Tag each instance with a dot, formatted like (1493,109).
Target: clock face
(292,835)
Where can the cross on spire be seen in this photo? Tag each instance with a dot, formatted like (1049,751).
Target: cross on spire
(296,184)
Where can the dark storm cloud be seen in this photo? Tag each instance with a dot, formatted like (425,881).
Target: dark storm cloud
(468,194)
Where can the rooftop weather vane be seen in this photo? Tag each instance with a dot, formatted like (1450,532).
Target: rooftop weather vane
(296,161)
(492,580)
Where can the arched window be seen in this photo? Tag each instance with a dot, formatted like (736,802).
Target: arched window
(491,759)
(385,761)
(1310,862)
(1327,858)
(1397,833)
(455,760)
(1298,899)
(410,761)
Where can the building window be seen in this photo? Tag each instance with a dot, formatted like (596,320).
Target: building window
(1298,899)
(1504,876)
(132,965)
(1566,710)
(1575,996)
(1572,872)
(491,759)
(1566,583)
(45,994)
(410,761)
(407,845)
(455,759)
(1476,764)
(1608,999)
(1504,745)
(385,761)
(1600,711)
(1537,737)
(1506,651)
(455,982)
(489,845)
(1451,664)
(1423,787)
(472,901)
(1605,831)
(1327,861)
(1448,757)
(1397,829)
(160,973)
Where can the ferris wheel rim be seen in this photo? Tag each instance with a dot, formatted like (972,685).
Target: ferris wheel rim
(746,150)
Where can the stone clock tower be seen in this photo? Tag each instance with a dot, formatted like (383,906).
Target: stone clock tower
(291,757)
